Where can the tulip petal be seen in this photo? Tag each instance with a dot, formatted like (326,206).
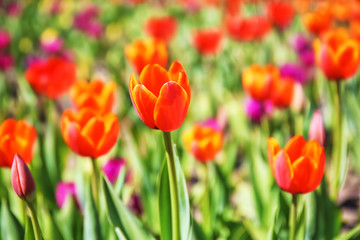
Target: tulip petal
(294,147)
(93,131)
(273,149)
(283,171)
(303,173)
(348,58)
(171,107)
(177,74)
(76,142)
(144,101)
(153,76)
(112,130)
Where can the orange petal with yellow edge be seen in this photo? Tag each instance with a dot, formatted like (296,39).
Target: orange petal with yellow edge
(283,171)
(171,107)
(153,76)
(294,147)
(177,74)
(145,101)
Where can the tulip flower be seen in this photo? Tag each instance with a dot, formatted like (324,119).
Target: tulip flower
(16,137)
(21,179)
(143,52)
(256,80)
(337,54)
(317,129)
(112,169)
(96,95)
(50,41)
(86,21)
(162,28)
(299,167)
(64,191)
(204,141)
(318,21)
(282,91)
(5,39)
(247,29)
(208,41)
(280,12)
(52,77)
(161,98)
(88,133)
(6,61)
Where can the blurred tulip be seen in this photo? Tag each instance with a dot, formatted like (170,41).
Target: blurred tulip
(5,39)
(135,204)
(86,21)
(300,43)
(50,41)
(204,141)
(254,110)
(52,77)
(6,61)
(143,52)
(161,98)
(88,133)
(247,29)
(340,9)
(16,137)
(64,191)
(162,28)
(299,167)
(208,41)
(280,12)
(96,95)
(256,80)
(297,73)
(112,169)
(317,129)
(298,100)
(337,54)
(355,29)
(233,6)
(14,9)
(318,21)
(282,91)
(21,179)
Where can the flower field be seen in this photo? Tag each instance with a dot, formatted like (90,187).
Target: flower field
(179,119)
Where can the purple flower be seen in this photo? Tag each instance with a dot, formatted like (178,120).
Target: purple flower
(5,39)
(254,110)
(300,43)
(294,71)
(6,61)
(52,45)
(135,204)
(86,22)
(212,123)
(112,169)
(307,58)
(64,190)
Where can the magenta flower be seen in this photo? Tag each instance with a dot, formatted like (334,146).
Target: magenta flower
(211,122)
(6,61)
(86,21)
(112,169)
(5,39)
(254,110)
(52,46)
(294,71)
(65,190)
(21,179)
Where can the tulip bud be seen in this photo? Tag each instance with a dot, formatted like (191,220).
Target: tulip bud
(64,190)
(22,180)
(112,169)
(254,110)
(317,129)
(298,101)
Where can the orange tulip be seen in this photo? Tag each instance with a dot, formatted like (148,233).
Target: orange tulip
(282,91)
(89,134)
(247,29)
(341,9)
(16,137)
(280,12)
(337,54)
(299,167)
(161,98)
(163,28)
(143,52)
(318,21)
(52,77)
(204,141)
(96,95)
(256,80)
(208,41)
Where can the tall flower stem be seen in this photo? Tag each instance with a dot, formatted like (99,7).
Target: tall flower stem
(174,192)
(34,220)
(292,218)
(337,141)
(95,181)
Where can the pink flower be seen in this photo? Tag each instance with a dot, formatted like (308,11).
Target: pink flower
(112,169)
(317,129)
(6,61)
(21,179)
(5,39)
(65,190)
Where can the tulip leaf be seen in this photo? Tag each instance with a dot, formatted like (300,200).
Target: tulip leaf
(69,220)
(29,231)
(165,202)
(353,234)
(92,229)
(120,217)
(10,226)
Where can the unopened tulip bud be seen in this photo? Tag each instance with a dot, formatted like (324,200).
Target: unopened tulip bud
(22,180)
(317,129)
(298,101)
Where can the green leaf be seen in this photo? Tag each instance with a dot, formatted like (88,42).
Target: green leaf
(119,216)
(69,220)
(10,226)
(92,229)
(51,230)
(165,202)
(29,231)
(353,234)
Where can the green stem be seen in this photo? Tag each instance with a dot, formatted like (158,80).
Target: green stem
(174,193)
(95,181)
(337,140)
(34,220)
(292,218)
(298,124)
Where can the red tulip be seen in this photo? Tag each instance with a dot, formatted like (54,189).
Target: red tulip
(21,179)
(208,41)
(280,12)
(163,28)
